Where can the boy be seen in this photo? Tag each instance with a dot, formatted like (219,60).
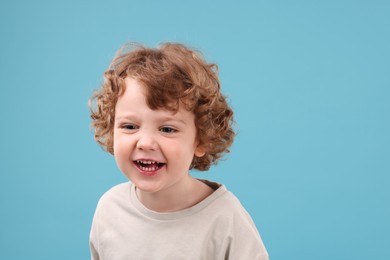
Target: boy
(160,112)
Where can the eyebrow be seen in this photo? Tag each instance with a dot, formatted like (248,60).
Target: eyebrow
(161,119)
(169,118)
(125,117)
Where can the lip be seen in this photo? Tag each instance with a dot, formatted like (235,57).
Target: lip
(147,173)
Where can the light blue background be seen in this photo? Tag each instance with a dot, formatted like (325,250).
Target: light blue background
(309,82)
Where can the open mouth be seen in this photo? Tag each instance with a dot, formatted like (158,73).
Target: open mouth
(148,166)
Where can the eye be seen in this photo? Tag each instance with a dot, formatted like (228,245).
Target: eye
(130,127)
(168,130)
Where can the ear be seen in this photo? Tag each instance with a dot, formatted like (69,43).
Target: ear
(200,151)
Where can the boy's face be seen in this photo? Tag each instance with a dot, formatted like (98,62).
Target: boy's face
(153,148)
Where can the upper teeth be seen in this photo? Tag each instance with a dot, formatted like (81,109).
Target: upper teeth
(146,162)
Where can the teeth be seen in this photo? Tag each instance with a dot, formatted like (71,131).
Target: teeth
(146,162)
(149,166)
(149,169)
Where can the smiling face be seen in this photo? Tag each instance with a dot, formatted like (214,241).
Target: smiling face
(153,148)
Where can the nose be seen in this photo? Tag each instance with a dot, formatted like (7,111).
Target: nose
(147,141)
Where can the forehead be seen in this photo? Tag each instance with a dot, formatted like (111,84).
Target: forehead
(134,101)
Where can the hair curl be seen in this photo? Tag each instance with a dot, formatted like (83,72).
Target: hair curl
(172,75)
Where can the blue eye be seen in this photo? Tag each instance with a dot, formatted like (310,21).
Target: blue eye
(168,130)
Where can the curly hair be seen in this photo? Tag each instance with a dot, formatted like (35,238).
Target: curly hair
(172,74)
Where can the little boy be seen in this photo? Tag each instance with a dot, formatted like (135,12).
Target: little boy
(160,112)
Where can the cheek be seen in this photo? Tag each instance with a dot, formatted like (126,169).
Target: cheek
(121,145)
(115,143)
(121,152)
(183,149)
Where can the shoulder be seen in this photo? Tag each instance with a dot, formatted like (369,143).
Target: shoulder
(119,193)
(226,209)
(238,227)
(228,204)
(222,198)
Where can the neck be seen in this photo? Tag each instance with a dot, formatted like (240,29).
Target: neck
(182,195)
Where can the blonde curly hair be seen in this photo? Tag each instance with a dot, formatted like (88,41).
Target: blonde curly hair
(172,74)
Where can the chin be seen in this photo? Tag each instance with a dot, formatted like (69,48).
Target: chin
(146,185)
